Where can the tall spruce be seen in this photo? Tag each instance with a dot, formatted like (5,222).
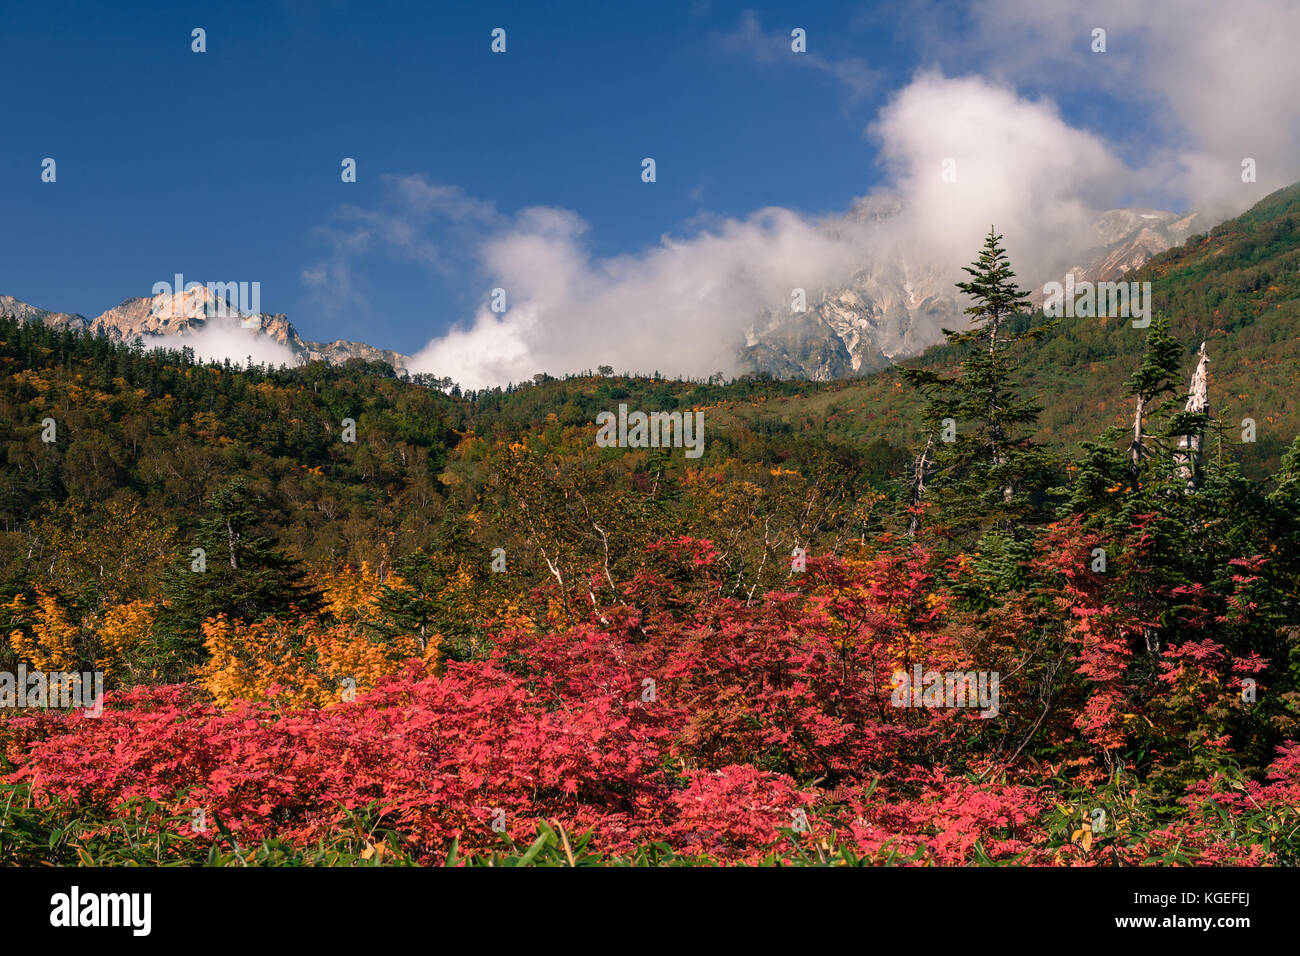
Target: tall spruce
(241,574)
(1156,378)
(420,599)
(980,464)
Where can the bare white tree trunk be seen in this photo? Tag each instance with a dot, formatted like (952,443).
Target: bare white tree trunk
(918,486)
(1137,450)
(1198,401)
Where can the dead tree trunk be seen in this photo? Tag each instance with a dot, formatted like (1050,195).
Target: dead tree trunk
(1188,455)
(917,491)
(1137,450)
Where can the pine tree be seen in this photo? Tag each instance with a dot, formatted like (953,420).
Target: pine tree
(413,606)
(1157,376)
(1288,473)
(423,601)
(987,469)
(244,576)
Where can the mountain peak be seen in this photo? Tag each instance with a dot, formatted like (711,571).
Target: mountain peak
(198,310)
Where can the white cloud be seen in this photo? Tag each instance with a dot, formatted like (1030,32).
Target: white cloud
(682,306)
(219,340)
(1216,82)
(1016,165)
(678,307)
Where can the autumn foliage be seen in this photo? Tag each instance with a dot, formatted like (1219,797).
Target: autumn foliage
(721,727)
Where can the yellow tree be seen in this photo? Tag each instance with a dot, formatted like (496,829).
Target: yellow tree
(45,637)
(351,596)
(299,663)
(123,631)
(255,662)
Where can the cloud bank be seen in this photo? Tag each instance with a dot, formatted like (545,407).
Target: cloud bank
(682,306)
(220,340)
(1218,81)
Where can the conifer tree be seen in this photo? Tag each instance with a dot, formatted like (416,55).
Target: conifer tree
(987,470)
(422,602)
(414,606)
(1157,376)
(241,574)
(1288,473)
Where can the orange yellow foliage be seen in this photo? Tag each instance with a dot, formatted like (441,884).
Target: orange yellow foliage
(48,641)
(351,595)
(308,661)
(124,629)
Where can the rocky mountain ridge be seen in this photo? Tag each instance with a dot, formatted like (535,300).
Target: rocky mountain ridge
(191,313)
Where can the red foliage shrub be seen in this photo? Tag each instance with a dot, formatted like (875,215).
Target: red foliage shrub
(678,716)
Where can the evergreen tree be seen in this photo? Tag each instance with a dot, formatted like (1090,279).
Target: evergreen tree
(988,471)
(1288,474)
(241,574)
(425,602)
(415,606)
(1157,376)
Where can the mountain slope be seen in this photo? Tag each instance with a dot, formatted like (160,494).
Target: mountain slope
(30,313)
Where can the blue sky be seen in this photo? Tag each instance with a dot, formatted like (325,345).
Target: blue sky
(225,165)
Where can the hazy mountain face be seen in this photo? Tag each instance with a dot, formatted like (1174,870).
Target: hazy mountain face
(1129,237)
(898,304)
